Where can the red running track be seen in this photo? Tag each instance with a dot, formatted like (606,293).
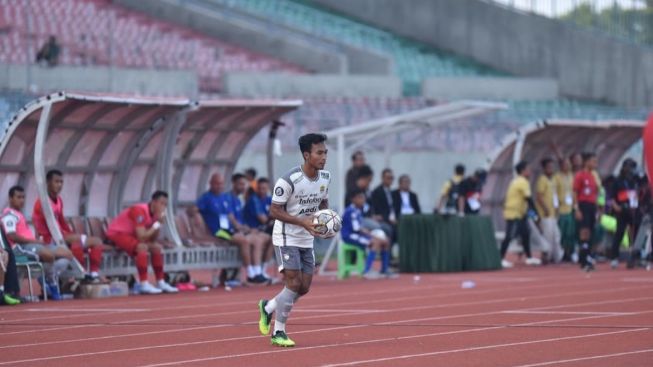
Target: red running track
(549,316)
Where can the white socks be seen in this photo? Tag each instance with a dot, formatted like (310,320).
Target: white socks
(253,270)
(271,306)
(279,326)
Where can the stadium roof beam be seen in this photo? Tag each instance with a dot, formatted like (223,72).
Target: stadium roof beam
(116,150)
(359,134)
(610,139)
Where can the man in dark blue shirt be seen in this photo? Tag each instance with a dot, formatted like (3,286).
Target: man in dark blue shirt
(223,214)
(353,233)
(257,208)
(257,215)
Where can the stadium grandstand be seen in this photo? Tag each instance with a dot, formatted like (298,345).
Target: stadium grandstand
(157,133)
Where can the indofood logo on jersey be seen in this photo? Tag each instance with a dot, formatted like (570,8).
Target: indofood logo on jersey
(313,200)
(309,201)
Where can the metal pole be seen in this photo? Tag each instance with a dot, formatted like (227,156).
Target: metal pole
(340,178)
(274,128)
(165,170)
(41,184)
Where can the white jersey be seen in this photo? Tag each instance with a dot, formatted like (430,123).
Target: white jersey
(301,197)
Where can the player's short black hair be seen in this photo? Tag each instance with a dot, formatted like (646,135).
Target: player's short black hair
(14,189)
(159,194)
(545,161)
(460,169)
(237,176)
(587,156)
(262,180)
(51,173)
(365,171)
(251,172)
(630,163)
(386,170)
(356,154)
(307,141)
(521,166)
(355,192)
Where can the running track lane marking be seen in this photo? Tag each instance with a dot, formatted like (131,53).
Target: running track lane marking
(54,309)
(586,358)
(404,288)
(408,356)
(299,332)
(527,312)
(340,304)
(378,341)
(299,318)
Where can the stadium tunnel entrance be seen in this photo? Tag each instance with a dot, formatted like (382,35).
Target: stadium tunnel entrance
(610,139)
(115,151)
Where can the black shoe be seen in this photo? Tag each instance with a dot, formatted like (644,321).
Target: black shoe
(259,279)
(588,268)
(88,278)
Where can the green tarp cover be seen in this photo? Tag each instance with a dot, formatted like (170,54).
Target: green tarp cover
(434,243)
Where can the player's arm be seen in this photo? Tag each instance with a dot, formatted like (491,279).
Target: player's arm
(278,212)
(143,234)
(261,215)
(10,223)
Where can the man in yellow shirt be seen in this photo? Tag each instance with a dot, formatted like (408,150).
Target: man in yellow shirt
(547,204)
(564,181)
(450,191)
(516,209)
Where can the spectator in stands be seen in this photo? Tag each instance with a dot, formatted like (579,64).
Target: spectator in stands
(563,181)
(405,201)
(516,211)
(49,53)
(222,213)
(354,233)
(547,204)
(469,199)
(450,191)
(625,201)
(78,243)
(136,230)
(357,161)
(257,216)
(586,192)
(55,258)
(382,205)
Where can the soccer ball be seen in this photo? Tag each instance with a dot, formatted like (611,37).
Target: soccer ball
(328,223)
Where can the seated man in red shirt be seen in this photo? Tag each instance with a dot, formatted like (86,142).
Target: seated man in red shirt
(78,243)
(55,259)
(135,231)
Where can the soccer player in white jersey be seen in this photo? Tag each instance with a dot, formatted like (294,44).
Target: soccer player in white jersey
(296,196)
